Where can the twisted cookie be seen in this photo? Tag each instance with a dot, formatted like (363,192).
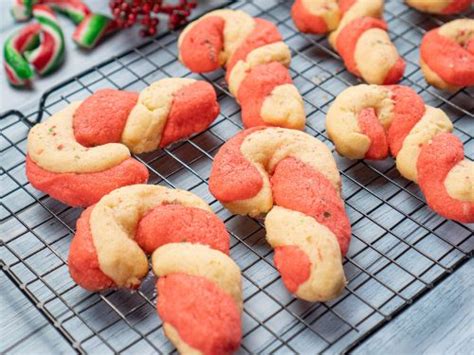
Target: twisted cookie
(37,47)
(256,60)
(357,33)
(294,178)
(369,121)
(199,286)
(447,55)
(83,152)
(444,7)
(316,16)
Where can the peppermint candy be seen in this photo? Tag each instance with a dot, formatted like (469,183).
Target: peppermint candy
(40,47)
(76,10)
(22,10)
(19,71)
(37,47)
(92,29)
(49,55)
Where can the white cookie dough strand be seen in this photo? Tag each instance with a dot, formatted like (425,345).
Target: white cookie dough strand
(460,181)
(291,228)
(113,222)
(433,122)
(266,148)
(52,145)
(147,120)
(199,260)
(238,26)
(273,52)
(374,49)
(342,122)
(431,6)
(360,8)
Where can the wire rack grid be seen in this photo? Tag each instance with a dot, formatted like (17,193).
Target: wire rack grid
(400,249)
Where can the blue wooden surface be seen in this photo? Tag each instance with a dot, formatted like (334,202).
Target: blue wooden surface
(19,319)
(441,322)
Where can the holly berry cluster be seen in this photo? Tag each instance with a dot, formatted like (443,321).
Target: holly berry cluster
(129,12)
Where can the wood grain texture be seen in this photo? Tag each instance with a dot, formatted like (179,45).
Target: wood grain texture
(441,322)
(378,209)
(23,329)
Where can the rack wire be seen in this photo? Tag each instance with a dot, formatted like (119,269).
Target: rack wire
(400,249)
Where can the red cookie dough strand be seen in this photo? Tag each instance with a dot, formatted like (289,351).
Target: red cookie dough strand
(24,37)
(370,125)
(435,161)
(175,223)
(83,261)
(264,33)
(162,225)
(202,45)
(408,109)
(457,6)
(81,190)
(233,177)
(395,74)
(453,63)
(293,265)
(206,317)
(299,187)
(256,87)
(197,100)
(345,5)
(101,118)
(470,46)
(349,36)
(307,22)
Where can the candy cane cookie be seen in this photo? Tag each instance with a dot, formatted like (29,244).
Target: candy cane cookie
(358,34)
(83,152)
(37,47)
(199,285)
(442,7)
(447,55)
(316,16)
(256,61)
(370,121)
(293,178)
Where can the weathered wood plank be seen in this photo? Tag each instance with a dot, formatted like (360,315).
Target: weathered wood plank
(441,322)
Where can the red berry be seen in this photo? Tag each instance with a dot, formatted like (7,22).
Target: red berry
(129,12)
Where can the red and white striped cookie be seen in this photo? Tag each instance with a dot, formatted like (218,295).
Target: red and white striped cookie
(369,121)
(83,152)
(447,55)
(256,60)
(316,16)
(199,285)
(358,34)
(443,7)
(292,177)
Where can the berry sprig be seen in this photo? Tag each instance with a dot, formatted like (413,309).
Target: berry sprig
(129,12)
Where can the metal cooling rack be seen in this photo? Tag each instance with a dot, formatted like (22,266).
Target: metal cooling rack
(400,249)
